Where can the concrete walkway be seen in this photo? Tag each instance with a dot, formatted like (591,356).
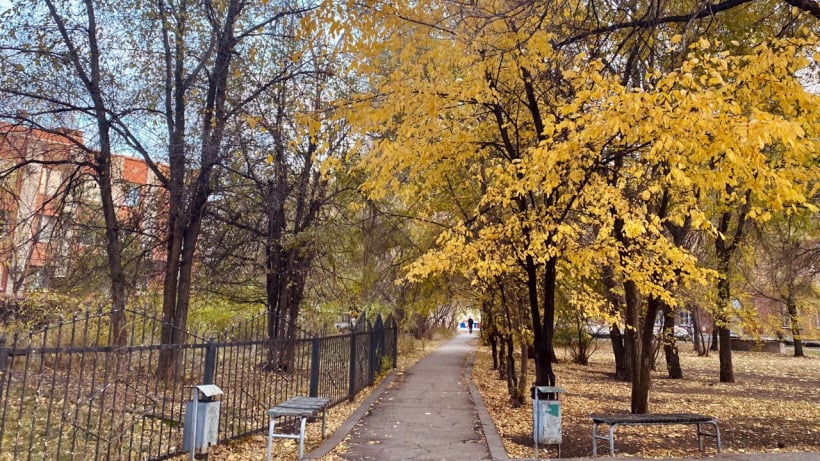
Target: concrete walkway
(427,413)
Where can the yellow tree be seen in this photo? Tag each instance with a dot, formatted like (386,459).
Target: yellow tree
(561,151)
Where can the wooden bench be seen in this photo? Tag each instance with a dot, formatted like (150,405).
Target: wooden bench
(613,421)
(303,408)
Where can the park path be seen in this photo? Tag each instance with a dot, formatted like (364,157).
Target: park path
(426,414)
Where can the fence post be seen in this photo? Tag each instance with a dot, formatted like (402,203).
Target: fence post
(379,353)
(314,367)
(351,391)
(394,354)
(371,369)
(4,355)
(210,363)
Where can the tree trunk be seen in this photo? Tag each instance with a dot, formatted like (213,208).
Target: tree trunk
(795,327)
(727,374)
(512,377)
(494,347)
(670,348)
(119,334)
(185,217)
(643,382)
(623,360)
(502,358)
(623,367)
(632,343)
(90,73)
(698,337)
(489,330)
(724,250)
(582,356)
(521,389)
(168,358)
(542,326)
(722,322)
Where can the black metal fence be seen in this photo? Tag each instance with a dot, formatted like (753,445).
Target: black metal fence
(65,394)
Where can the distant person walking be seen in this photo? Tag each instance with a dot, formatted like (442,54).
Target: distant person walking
(470,324)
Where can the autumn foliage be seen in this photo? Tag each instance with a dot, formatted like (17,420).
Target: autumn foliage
(547,148)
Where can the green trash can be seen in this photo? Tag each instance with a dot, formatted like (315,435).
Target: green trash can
(546,416)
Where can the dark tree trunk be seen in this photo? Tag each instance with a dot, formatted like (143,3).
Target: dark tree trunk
(727,374)
(698,336)
(494,347)
(670,348)
(795,327)
(643,381)
(489,330)
(722,319)
(632,343)
(292,202)
(502,358)
(623,369)
(542,325)
(722,322)
(512,377)
(90,73)
(623,361)
(519,395)
(112,236)
(582,357)
(724,249)
(185,221)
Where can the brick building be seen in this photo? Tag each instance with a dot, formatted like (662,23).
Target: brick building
(50,207)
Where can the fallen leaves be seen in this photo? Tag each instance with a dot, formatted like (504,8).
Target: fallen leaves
(773,406)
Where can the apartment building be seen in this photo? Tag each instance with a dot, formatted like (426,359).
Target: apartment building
(50,207)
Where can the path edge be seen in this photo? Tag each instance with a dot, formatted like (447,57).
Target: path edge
(494,443)
(339,434)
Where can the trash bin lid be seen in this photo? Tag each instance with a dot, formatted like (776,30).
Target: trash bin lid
(209,390)
(549,389)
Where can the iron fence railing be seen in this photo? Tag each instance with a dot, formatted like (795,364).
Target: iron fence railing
(65,394)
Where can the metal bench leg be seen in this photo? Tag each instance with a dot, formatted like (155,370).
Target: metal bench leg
(612,439)
(324,411)
(715,434)
(270,437)
(301,438)
(594,440)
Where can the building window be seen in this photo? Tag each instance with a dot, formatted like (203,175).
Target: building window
(787,320)
(86,236)
(5,222)
(46,227)
(38,278)
(684,318)
(130,195)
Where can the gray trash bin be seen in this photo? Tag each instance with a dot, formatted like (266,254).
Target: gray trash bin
(201,419)
(546,417)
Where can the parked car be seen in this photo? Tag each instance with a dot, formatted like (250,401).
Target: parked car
(681,333)
(601,330)
(597,329)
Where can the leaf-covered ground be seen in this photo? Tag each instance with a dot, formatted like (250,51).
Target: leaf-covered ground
(774,405)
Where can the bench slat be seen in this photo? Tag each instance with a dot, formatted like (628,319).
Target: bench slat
(660,418)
